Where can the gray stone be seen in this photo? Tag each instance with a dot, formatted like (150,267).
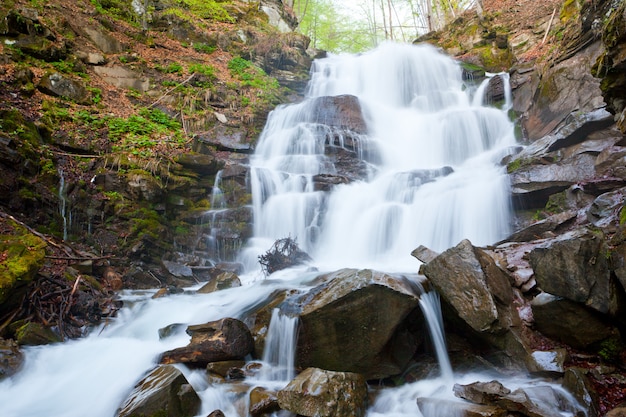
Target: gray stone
(341,327)
(105,42)
(123,78)
(58,85)
(321,393)
(165,389)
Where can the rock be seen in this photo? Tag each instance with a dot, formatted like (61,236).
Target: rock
(222,368)
(341,328)
(58,85)
(165,391)
(565,88)
(22,256)
(437,407)
(91,58)
(575,266)
(221,282)
(143,185)
(576,326)
(178,270)
(424,254)
(11,358)
(343,112)
(604,210)
(320,393)
(123,78)
(105,42)
(612,162)
(536,401)
(495,90)
(548,362)
(458,277)
(220,340)
(200,163)
(224,138)
(216,413)
(577,382)
(42,48)
(35,334)
(542,228)
(263,402)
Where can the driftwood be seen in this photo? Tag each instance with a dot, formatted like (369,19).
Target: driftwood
(283,254)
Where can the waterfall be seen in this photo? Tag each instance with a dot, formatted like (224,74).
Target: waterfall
(280,348)
(428,174)
(63,204)
(435,174)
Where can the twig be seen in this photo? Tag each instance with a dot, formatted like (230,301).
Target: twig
(69,302)
(172,89)
(549,26)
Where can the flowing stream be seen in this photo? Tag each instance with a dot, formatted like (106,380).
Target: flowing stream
(432,153)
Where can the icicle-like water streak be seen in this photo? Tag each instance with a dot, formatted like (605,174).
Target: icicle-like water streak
(438,174)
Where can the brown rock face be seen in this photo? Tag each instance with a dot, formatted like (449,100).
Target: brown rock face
(316,392)
(343,327)
(219,340)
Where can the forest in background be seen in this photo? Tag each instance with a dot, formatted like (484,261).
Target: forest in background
(359,25)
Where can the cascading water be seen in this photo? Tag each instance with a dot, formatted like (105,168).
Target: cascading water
(431,176)
(436,173)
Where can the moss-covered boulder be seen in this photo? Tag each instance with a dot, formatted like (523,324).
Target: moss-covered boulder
(21,256)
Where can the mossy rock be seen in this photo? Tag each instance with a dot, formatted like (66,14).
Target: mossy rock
(21,256)
(35,334)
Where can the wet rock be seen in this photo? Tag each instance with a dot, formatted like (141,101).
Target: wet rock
(574,266)
(343,112)
(164,390)
(577,382)
(341,328)
(223,368)
(216,413)
(221,282)
(263,402)
(220,340)
(35,334)
(536,401)
(604,211)
(459,277)
(548,362)
(11,358)
(612,162)
(316,392)
(424,254)
(178,270)
(436,406)
(543,228)
(495,89)
(577,325)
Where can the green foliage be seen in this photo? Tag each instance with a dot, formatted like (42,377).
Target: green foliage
(172,68)
(119,9)
(250,75)
(610,349)
(96,94)
(203,69)
(204,48)
(208,9)
(622,216)
(139,134)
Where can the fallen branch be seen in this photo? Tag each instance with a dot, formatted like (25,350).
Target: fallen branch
(549,26)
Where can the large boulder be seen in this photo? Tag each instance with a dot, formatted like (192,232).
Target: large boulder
(535,401)
(59,85)
(11,358)
(342,328)
(575,266)
(215,341)
(577,325)
(321,393)
(164,392)
(469,281)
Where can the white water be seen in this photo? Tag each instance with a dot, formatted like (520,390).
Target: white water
(419,116)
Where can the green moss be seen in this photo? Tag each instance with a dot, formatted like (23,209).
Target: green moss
(21,255)
(622,216)
(610,349)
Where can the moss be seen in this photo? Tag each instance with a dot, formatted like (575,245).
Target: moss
(569,10)
(610,349)
(622,216)
(21,255)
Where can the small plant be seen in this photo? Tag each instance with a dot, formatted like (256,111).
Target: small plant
(204,48)
(203,69)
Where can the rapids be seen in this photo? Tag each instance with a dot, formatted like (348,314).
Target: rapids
(420,115)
